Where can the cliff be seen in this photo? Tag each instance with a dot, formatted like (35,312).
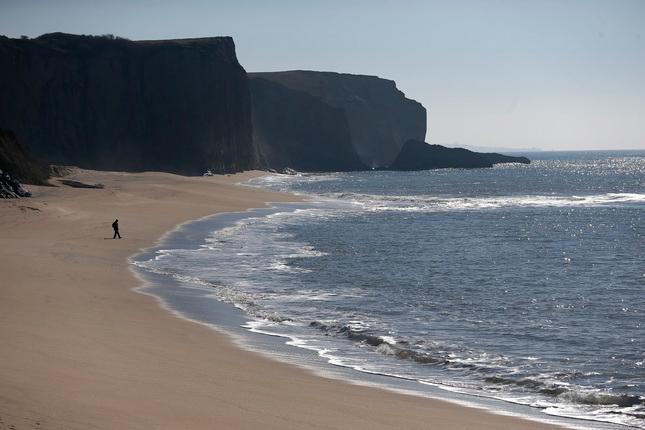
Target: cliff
(98,102)
(293,129)
(380,118)
(17,163)
(416,155)
(187,106)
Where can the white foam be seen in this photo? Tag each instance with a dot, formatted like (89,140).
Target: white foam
(251,233)
(414,203)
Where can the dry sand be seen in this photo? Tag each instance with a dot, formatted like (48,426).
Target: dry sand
(79,349)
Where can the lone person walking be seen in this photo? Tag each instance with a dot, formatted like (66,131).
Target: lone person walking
(115,226)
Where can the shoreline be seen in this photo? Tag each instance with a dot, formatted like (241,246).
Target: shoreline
(197,302)
(82,350)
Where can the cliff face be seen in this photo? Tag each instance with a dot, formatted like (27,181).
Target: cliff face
(186,106)
(293,129)
(17,163)
(176,105)
(379,117)
(417,155)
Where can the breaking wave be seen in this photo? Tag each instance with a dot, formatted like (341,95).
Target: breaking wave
(401,203)
(466,303)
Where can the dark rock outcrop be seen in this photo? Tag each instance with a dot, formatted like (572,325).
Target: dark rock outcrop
(18,164)
(416,155)
(10,188)
(295,130)
(98,102)
(78,184)
(495,158)
(379,117)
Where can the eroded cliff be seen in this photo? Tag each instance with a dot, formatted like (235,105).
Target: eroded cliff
(188,106)
(293,129)
(380,118)
(106,103)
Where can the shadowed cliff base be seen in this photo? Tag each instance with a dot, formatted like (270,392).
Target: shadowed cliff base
(17,162)
(180,106)
(16,166)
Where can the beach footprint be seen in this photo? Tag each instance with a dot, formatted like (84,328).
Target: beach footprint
(34,424)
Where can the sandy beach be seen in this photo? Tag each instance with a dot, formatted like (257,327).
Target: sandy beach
(81,350)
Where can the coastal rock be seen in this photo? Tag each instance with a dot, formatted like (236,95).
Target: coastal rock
(16,162)
(293,130)
(10,188)
(416,155)
(107,103)
(17,165)
(379,116)
(78,184)
(496,158)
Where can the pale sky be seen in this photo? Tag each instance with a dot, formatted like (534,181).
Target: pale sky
(546,74)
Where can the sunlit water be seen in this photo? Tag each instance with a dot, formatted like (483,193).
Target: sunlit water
(525,283)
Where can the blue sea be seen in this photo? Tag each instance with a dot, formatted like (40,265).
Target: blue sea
(524,283)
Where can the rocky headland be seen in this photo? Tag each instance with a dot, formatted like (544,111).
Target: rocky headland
(380,118)
(187,106)
(416,155)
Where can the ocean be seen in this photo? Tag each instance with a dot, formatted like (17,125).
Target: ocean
(520,283)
